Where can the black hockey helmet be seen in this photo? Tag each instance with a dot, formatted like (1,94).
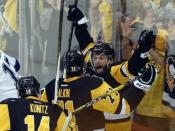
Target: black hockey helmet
(103,48)
(28,86)
(73,62)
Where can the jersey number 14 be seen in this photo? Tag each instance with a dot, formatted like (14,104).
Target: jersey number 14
(44,123)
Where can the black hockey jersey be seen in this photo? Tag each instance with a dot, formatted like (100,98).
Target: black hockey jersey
(75,92)
(30,114)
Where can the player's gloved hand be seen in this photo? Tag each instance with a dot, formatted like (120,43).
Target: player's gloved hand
(146,79)
(146,42)
(75,15)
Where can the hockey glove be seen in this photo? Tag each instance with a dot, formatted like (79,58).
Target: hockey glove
(146,42)
(76,15)
(145,81)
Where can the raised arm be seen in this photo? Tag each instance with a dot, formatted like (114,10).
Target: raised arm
(139,58)
(126,101)
(81,32)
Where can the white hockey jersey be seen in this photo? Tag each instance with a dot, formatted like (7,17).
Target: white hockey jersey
(9,67)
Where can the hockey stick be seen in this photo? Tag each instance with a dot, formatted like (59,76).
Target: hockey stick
(59,50)
(88,104)
(70,38)
(72,29)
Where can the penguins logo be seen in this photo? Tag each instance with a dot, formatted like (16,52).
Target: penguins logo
(170,72)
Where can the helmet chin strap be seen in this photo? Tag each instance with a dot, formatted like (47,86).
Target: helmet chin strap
(106,68)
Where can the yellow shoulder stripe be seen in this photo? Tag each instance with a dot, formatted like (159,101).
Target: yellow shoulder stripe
(4,118)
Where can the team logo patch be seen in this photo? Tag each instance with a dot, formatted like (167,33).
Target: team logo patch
(170,72)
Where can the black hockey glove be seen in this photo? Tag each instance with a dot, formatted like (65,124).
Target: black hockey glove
(147,78)
(75,15)
(146,42)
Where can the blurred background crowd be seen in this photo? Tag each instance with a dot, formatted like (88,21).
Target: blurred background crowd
(29,32)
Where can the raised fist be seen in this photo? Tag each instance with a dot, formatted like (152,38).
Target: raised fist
(76,15)
(146,40)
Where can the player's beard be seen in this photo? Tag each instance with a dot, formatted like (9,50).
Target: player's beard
(99,69)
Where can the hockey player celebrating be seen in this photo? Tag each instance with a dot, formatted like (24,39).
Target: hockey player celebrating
(76,90)
(102,51)
(28,112)
(101,62)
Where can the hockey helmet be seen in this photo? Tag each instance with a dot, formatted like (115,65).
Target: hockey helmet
(28,86)
(73,62)
(103,48)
